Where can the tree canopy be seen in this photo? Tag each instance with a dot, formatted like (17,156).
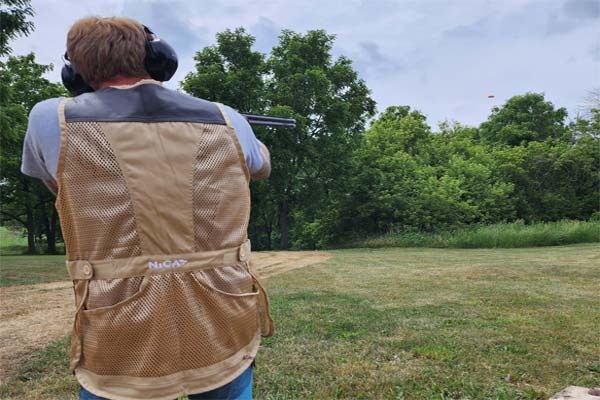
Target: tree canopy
(14,16)
(523,119)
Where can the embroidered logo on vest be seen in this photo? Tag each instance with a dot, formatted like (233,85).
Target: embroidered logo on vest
(167,264)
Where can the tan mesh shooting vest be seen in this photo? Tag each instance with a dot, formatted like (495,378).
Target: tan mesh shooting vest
(154,203)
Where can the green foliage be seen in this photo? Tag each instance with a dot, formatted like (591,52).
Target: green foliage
(502,235)
(408,177)
(13,22)
(11,242)
(516,234)
(583,127)
(331,104)
(524,119)
(229,72)
(552,179)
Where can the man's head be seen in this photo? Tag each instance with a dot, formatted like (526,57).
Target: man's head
(101,49)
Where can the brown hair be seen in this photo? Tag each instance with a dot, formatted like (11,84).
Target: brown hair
(102,48)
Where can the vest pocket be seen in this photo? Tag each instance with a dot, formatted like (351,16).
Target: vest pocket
(175,322)
(233,280)
(105,295)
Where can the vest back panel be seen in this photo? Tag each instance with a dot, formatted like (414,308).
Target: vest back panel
(140,187)
(146,171)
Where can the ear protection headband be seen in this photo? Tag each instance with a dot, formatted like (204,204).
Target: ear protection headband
(160,61)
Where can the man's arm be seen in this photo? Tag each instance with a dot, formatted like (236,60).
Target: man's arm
(42,143)
(258,158)
(51,185)
(265,170)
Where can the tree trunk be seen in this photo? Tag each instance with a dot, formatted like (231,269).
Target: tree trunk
(30,220)
(283,224)
(51,234)
(269,230)
(46,222)
(30,232)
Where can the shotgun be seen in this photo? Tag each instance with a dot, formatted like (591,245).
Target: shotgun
(267,120)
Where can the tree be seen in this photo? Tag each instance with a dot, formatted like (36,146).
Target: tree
(408,178)
(552,180)
(332,105)
(229,72)
(473,165)
(588,122)
(13,20)
(550,164)
(524,119)
(25,201)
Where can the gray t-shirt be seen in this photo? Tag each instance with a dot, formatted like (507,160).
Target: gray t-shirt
(42,140)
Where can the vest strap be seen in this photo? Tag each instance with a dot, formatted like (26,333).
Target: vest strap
(224,114)
(157,264)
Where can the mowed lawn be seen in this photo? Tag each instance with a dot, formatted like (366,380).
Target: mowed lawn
(411,324)
(29,270)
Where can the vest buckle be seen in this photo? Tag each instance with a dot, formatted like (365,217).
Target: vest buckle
(244,251)
(88,271)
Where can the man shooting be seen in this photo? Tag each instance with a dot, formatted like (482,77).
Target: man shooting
(153,197)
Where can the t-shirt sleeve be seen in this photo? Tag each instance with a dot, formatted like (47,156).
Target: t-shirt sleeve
(255,152)
(42,141)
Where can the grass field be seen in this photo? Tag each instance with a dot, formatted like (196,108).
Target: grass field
(11,242)
(407,324)
(14,242)
(23,270)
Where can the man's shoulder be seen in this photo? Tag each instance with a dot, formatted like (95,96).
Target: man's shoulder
(43,119)
(45,108)
(147,102)
(42,140)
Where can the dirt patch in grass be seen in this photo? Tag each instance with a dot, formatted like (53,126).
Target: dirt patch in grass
(275,263)
(33,316)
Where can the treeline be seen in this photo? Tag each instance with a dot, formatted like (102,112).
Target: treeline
(524,163)
(339,175)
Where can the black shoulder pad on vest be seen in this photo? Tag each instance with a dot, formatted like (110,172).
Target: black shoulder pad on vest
(143,103)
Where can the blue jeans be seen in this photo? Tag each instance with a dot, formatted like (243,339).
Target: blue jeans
(238,389)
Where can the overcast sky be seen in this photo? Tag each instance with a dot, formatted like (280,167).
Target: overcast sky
(442,57)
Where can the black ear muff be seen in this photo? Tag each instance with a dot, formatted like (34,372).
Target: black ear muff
(161,60)
(72,80)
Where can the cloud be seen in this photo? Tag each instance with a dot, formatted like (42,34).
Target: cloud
(573,15)
(266,32)
(470,31)
(532,19)
(595,51)
(170,21)
(582,9)
(371,49)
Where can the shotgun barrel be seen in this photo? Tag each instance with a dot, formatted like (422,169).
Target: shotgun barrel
(267,120)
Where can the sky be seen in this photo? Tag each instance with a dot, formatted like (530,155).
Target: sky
(442,57)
